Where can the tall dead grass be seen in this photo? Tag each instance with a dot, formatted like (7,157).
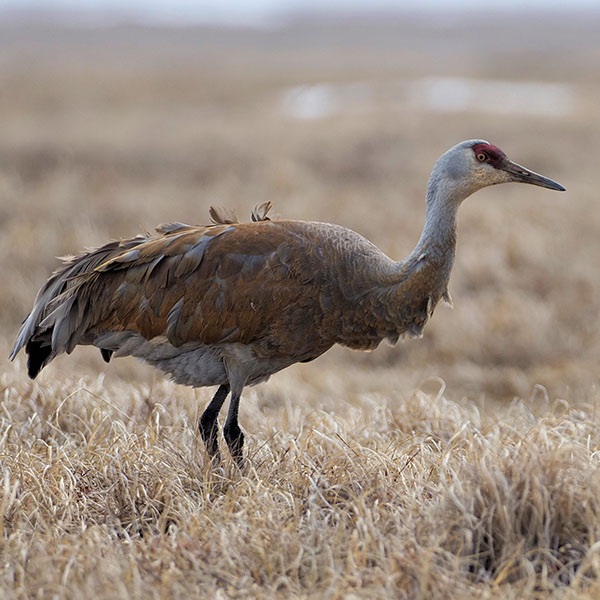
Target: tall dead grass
(405,497)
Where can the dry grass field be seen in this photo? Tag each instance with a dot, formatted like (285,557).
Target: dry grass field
(463,465)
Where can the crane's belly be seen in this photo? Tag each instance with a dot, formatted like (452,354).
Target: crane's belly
(193,364)
(199,367)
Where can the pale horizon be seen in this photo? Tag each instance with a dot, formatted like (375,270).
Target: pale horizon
(258,12)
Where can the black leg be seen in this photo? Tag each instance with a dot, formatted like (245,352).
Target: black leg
(208,421)
(232,432)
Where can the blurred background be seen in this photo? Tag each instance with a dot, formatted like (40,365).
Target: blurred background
(116,116)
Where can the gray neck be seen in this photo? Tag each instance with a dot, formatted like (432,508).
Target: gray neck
(438,240)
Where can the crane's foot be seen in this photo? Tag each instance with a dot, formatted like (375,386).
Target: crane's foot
(235,441)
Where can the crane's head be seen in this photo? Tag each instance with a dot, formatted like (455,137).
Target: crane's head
(475,164)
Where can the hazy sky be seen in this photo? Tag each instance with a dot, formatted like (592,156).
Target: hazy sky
(263,11)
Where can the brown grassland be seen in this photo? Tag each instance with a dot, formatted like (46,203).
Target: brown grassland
(463,465)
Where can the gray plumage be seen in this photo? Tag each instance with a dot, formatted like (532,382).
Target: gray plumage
(232,303)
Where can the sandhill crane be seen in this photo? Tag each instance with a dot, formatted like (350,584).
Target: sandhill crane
(232,303)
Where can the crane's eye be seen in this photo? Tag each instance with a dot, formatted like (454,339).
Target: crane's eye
(481,156)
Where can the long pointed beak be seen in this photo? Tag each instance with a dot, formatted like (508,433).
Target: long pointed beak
(523,175)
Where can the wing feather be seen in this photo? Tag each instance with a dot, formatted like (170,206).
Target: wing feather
(189,284)
(260,211)
(287,288)
(220,215)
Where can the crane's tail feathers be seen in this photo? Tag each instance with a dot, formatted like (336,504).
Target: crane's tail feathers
(48,329)
(38,356)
